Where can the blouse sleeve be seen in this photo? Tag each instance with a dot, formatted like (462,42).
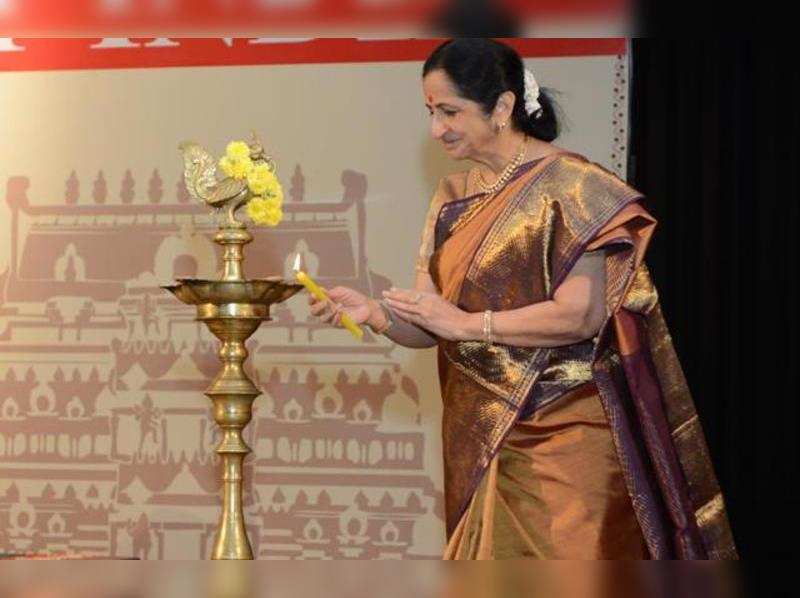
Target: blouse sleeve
(428,232)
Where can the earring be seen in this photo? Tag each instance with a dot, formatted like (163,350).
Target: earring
(500,127)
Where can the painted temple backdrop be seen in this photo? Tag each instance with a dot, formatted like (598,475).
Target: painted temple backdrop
(106,440)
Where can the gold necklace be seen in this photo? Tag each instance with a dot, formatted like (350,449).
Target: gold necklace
(507,172)
(489,190)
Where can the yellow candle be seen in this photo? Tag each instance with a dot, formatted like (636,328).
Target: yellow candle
(321,295)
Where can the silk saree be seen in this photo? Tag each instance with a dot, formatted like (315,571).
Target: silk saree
(591,450)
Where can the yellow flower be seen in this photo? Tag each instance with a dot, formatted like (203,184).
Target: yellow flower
(236,162)
(275,192)
(237,150)
(263,182)
(261,179)
(265,211)
(272,203)
(236,168)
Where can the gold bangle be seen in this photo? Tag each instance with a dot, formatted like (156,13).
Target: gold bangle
(487,326)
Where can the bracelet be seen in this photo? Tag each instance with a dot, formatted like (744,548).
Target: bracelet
(487,326)
(387,312)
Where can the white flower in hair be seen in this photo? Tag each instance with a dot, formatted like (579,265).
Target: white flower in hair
(531,93)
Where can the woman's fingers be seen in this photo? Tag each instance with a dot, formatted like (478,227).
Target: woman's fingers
(338,315)
(402,306)
(401,295)
(402,310)
(319,307)
(328,312)
(405,296)
(338,294)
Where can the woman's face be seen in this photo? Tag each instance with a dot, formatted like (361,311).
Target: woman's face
(459,124)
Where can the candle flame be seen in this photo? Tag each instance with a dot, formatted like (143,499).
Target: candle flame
(297,262)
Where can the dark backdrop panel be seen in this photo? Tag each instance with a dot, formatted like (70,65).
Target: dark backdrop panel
(714,145)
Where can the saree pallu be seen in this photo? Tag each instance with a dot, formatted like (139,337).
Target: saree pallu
(590,450)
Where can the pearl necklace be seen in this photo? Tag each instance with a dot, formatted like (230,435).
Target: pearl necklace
(504,176)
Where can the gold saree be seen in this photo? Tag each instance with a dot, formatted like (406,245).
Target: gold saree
(592,450)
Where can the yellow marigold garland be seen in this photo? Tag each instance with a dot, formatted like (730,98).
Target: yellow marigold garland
(265,208)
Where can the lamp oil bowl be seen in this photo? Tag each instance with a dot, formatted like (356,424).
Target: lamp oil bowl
(233,308)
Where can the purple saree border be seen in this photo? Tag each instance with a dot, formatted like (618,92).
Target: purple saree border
(647,398)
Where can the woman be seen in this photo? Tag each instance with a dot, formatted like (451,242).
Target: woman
(568,430)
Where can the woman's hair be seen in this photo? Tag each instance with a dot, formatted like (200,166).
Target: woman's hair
(482,69)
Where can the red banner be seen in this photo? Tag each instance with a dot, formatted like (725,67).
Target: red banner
(213,17)
(112,53)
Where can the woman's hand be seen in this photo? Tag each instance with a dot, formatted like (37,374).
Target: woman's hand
(359,307)
(429,311)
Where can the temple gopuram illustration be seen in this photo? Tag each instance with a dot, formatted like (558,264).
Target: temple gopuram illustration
(106,440)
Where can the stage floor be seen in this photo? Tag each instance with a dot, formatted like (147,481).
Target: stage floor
(356,579)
